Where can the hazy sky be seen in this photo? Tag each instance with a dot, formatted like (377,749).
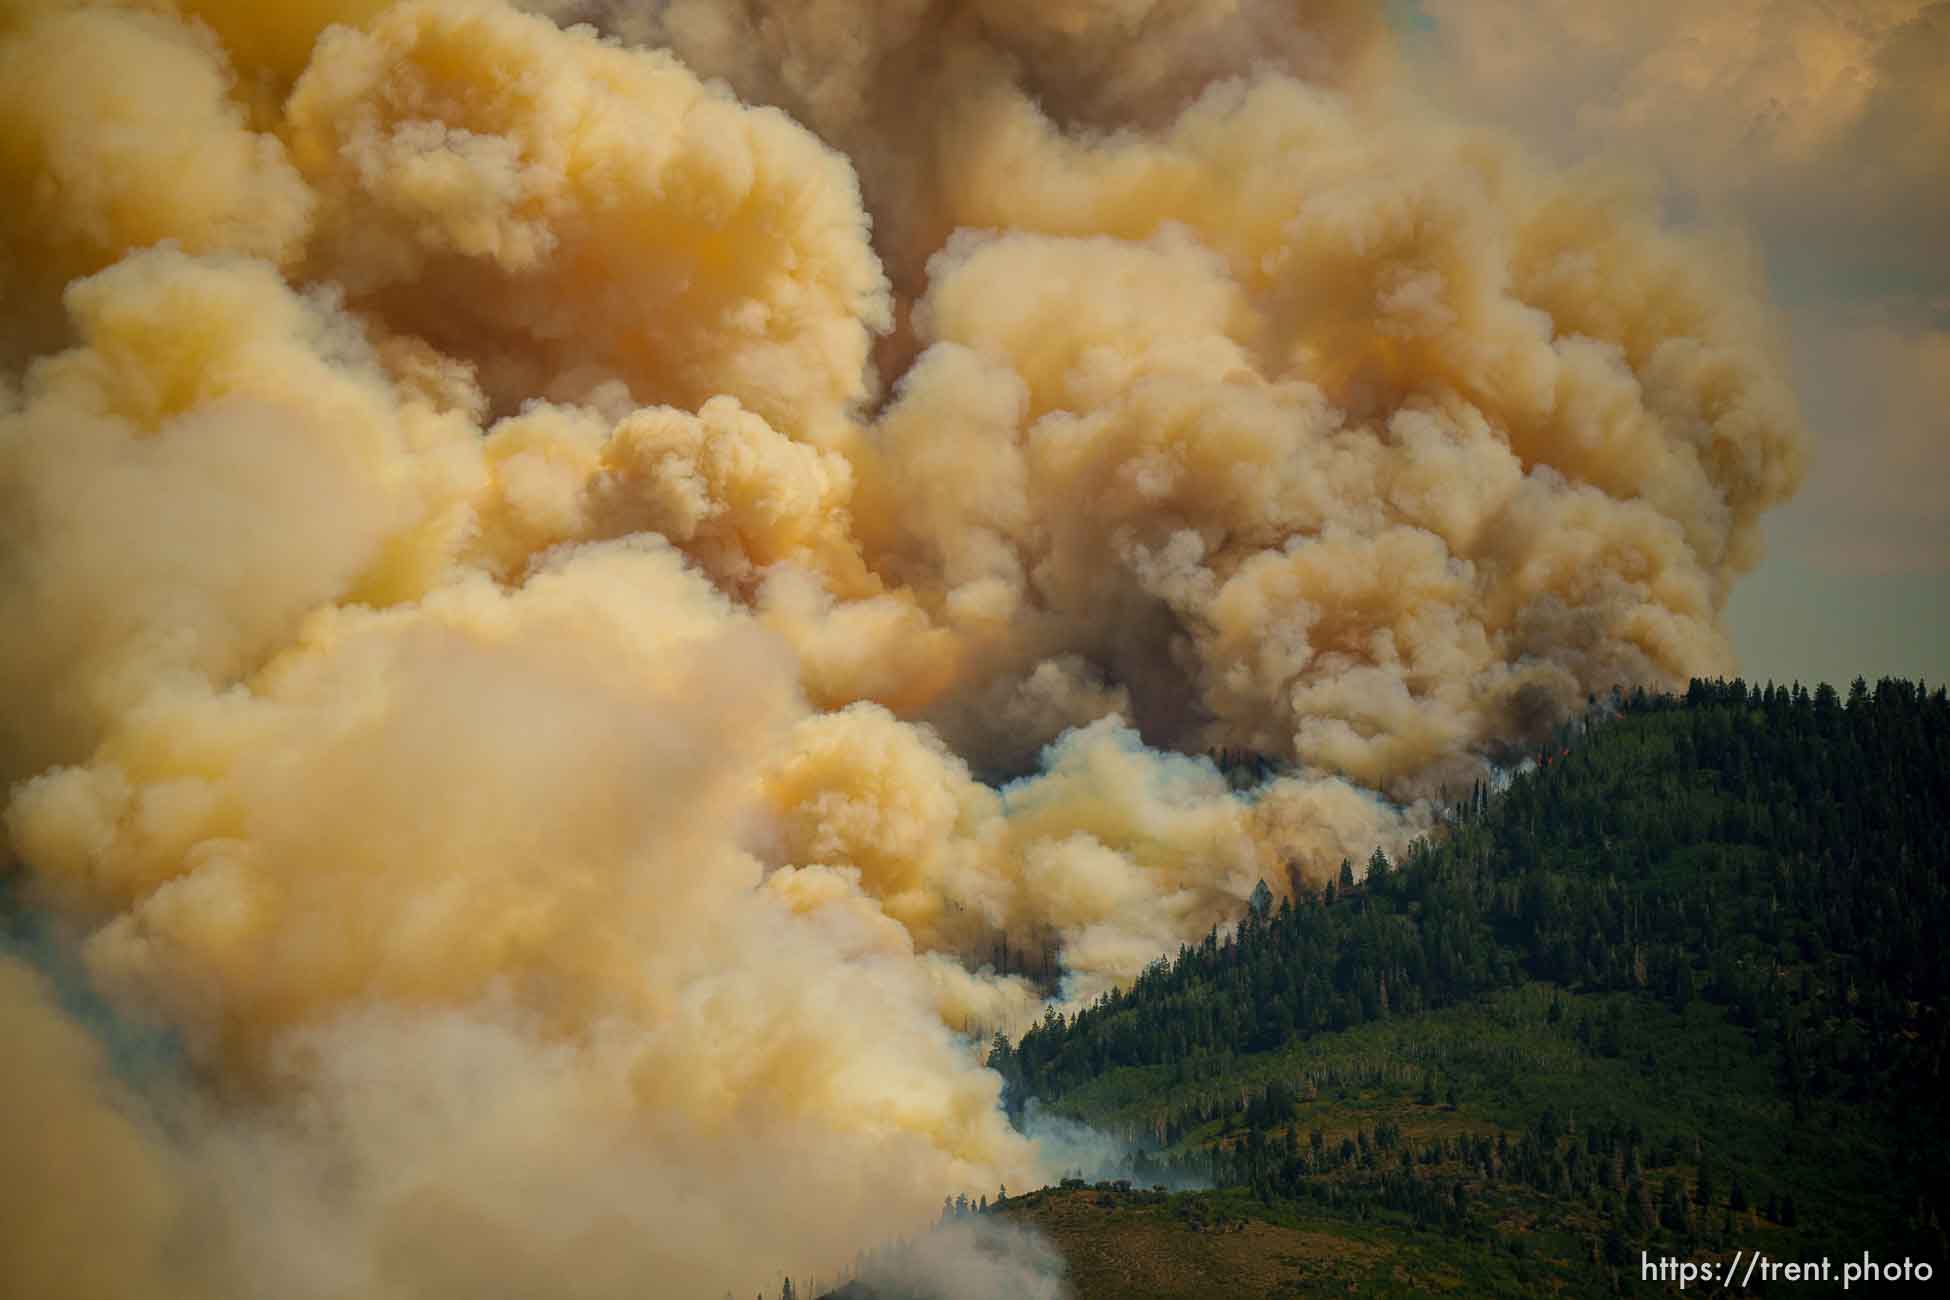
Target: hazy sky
(1820,132)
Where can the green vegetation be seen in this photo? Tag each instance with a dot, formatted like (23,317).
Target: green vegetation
(1678,988)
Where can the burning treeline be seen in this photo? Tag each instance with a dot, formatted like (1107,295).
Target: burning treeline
(516,537)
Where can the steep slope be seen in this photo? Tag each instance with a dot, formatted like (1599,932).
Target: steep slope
(1675,990)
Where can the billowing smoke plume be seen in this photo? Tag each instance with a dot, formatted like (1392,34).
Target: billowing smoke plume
(521,569)
(976,1257)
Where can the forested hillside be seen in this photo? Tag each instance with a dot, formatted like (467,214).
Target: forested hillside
(1700,847)
(1678,987)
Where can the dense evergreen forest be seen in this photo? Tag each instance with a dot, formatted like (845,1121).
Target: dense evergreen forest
(1698,847)
(1678,983)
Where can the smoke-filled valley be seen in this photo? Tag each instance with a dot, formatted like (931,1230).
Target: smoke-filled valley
(594,599)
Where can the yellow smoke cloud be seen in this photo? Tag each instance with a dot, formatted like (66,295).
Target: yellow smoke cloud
(1815,127)
(527,560)
(566,214)
(117,131)
(66,1119)
(274,43)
